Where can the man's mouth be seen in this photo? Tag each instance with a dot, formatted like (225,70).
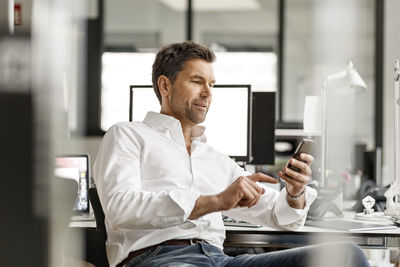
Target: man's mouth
(201,106)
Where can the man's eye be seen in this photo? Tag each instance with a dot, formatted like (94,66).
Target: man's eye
(198,82)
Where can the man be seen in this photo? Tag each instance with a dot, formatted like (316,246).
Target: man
(163,188)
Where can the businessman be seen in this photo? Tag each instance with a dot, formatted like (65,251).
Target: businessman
(163,188)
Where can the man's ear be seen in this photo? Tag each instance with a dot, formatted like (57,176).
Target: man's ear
(164,84)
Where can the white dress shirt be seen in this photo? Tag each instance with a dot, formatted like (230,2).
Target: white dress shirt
(148,185)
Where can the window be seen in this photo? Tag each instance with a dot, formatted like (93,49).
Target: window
(120,70)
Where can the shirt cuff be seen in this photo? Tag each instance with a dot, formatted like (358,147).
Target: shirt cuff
(285,214)
(185,199)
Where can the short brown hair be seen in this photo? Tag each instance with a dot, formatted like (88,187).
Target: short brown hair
(170,60)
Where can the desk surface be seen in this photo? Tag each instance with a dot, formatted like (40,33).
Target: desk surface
(269,237)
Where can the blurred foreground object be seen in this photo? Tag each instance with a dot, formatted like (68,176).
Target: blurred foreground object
(6,17)
(393,194)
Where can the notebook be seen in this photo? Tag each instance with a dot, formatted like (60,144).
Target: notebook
(351,226)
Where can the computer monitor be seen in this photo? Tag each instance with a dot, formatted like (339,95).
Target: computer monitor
(76,168)
(228,121)
(263,128)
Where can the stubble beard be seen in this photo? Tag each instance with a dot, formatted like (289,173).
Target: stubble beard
(194,115)
(189,112)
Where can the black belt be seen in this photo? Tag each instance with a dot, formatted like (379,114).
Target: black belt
(173,242)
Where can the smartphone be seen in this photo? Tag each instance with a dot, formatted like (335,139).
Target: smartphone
(305,146)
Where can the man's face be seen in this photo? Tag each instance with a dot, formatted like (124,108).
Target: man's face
(191,93)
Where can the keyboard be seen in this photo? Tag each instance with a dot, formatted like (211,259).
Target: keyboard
(229,221)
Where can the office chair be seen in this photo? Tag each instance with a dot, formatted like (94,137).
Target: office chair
(99,257)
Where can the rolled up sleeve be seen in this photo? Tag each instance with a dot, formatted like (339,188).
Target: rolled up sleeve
(273,210)
(286,215)
(185,199)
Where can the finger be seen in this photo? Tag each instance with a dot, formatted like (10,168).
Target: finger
(261,177)
(255,195)
(307,158)
(245,180)
(248,203)
(246,197)
(290,180)
(303,167)
(257,187)
(254,202)
(250,195)
(296,175)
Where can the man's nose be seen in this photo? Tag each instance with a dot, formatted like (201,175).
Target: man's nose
(207,91)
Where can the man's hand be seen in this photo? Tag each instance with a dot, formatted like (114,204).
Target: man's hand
(297,181)
(244,192)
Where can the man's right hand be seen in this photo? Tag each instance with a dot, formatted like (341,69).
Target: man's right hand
(244,192)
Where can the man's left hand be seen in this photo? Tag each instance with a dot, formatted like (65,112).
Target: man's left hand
(296,181)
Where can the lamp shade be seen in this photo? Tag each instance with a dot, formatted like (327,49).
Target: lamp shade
(347,81)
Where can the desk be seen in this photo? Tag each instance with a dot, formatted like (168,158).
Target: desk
(268,237)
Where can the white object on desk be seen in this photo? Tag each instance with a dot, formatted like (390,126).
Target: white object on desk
(312,115)
(369,214)
(368,202)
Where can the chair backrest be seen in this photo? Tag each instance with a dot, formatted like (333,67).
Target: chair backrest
(98,210)
(101,260)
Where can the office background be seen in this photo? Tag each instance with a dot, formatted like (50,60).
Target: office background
(307,38)
(56,51)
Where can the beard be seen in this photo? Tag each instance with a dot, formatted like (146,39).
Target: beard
(187,112)
(194,115)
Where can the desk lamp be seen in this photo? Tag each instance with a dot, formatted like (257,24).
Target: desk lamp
(393,193)
(347,81)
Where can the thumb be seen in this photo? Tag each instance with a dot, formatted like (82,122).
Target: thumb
(261,177)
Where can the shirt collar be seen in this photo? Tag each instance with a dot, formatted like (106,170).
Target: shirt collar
(161,121)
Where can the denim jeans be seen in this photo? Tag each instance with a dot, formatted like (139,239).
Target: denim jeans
(203,254)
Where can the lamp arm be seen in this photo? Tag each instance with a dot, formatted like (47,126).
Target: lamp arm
(336,76)
(323,130)
(397,123)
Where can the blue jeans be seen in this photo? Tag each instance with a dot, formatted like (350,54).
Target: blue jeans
(203,254)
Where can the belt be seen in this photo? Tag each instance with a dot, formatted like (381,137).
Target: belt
(173,242)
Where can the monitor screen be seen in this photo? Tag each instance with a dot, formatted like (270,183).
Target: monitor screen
(227,122)
(75,167)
